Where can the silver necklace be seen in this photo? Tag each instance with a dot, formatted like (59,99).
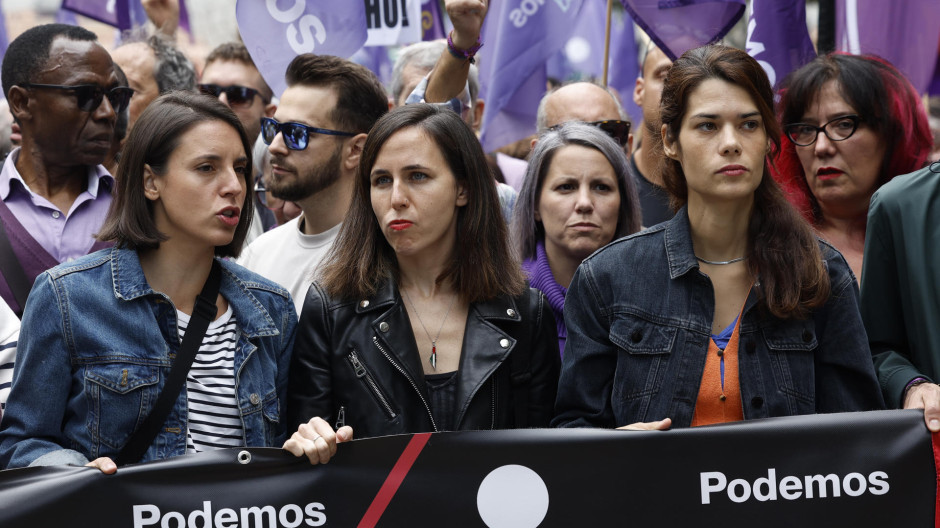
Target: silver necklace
(433,358)
(719,262)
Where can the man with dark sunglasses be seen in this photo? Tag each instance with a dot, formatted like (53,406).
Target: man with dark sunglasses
(54,193)
(315,139)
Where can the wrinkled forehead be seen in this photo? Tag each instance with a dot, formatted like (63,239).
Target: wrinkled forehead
(77,62)
(232,72)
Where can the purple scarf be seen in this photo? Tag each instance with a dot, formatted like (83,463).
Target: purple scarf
(541,278)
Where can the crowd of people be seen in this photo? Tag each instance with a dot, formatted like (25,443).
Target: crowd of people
(188,262)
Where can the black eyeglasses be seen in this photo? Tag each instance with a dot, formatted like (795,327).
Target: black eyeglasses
(89,96)
(296,135)
(619,130)
(235,94)
(839,129)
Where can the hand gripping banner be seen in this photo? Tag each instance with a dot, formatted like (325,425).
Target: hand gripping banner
(856,469)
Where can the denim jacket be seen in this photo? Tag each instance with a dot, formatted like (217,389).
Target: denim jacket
(96,347)
(639,314)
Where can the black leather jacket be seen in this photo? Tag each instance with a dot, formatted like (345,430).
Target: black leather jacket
(361,357)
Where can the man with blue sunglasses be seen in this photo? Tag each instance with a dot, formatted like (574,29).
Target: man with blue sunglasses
(314,138)
(54,193)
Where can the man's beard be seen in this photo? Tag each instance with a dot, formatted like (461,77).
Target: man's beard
(308,183)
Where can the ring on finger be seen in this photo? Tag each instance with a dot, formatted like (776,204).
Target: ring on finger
(317,438)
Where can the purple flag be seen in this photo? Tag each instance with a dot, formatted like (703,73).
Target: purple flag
(274,36)
(519,38)
(934,88)
(117,13)
(432,23)
(624,67)
(906,33)
(677,26)
(64,16)
(4,42)
(582,56)
(777,37)
(377,60)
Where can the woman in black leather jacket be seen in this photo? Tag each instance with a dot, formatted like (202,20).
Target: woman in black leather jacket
(421,320)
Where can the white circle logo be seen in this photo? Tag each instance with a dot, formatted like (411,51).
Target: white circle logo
(512,496)
(578,50)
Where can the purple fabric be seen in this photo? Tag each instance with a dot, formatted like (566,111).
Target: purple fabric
(432,23)
(677,26)
(582,55)
(63,236)
(906,33)
(777,37)
(517,43)
(4,41)
(274,37)
(624,68)
(377,60)
(541,278)
(119,14)
(64,16)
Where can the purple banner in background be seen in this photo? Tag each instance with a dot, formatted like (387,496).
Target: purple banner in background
(432,21)
(117,13)
(777,37)
(4,42)
(906,33)
(276,32)
(521,35)
(624,66)
(677,26)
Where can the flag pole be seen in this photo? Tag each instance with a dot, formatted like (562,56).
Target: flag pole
(610,8)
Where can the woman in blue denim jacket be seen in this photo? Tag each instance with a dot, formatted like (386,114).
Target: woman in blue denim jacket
(733,309)
(100,333)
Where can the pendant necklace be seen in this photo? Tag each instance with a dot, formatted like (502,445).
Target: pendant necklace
(719,262)
(433,358)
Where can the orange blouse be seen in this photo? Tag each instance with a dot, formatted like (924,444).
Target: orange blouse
(717,403)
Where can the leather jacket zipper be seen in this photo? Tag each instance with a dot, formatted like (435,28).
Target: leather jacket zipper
(364,375)
(375,341)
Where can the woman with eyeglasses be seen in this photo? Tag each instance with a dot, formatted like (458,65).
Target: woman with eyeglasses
(851,123)
(421,320)
(577,196)
(733,310)
(159,346)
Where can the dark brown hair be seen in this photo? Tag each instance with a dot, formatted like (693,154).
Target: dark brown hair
(782,248)
(360,97)
(483,266)
(151,142)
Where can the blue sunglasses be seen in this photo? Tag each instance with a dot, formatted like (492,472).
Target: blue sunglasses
(296,135)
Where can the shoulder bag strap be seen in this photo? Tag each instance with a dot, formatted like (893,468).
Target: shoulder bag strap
(12,270)
(203,312)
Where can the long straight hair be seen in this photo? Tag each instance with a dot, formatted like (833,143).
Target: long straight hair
(782,248)
(482,267)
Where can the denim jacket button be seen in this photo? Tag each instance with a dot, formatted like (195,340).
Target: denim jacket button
(807,336)
(254,399)
(636,336)
(757,402)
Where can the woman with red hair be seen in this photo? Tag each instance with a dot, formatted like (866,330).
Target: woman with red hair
(852,123)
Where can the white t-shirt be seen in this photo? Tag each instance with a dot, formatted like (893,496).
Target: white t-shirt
(288,257)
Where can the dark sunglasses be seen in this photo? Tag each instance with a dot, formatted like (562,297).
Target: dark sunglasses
(235,94)
(89,96)
(296,135)
(619,130)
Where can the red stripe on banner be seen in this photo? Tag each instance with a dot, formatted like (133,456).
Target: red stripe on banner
(395,478)
(935,437)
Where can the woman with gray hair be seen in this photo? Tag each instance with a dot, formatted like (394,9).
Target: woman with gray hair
(577,196)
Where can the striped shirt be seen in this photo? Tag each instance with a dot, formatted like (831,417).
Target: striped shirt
(214,418)
(9,332)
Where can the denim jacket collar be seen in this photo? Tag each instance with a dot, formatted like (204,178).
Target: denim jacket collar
(678,239)
(130,283)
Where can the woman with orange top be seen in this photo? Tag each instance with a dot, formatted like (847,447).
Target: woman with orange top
(733,309)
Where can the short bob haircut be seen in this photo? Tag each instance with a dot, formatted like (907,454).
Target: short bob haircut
(151,142)
(483,267)
(526,231)
(782,249)
(881,96)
